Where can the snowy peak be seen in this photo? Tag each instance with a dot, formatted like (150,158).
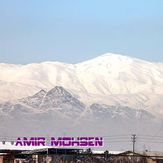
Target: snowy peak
(115,57)
(110,58)
(57,97)
(60,97)
(58,91)
(118,63)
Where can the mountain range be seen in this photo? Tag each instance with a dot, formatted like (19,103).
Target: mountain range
(109,95)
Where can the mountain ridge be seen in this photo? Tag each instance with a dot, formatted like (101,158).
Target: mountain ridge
(106,79)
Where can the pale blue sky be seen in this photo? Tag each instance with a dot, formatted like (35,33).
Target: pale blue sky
(76,30)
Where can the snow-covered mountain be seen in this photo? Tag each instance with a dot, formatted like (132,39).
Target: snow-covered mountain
(57,98)
(111,94)
(108,79)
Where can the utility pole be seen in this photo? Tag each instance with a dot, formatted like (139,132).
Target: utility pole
(133,142)
(133,138)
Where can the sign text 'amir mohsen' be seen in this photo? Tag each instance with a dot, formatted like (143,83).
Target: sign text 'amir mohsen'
(61,141)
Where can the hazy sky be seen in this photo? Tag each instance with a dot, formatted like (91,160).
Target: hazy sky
(76,30)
